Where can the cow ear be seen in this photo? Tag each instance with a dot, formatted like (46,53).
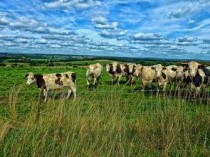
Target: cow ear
(67,76)
(201,66)
(58,75)
(26,75)
(164,68)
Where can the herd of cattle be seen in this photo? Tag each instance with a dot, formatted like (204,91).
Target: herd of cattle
(192,74)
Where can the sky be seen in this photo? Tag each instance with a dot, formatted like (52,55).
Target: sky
(171,29)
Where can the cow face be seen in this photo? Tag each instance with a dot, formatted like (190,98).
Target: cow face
(179,72)
(158,69)
(171,71)
(137,70)
(115,65)
(30,78)
(92,68)
(131,68)
(192,68)
(108,67)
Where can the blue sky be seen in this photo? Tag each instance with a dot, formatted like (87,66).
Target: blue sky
(176,29)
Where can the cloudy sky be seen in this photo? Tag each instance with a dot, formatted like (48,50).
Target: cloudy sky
(176,29)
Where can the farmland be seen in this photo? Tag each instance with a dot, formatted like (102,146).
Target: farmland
(108,121)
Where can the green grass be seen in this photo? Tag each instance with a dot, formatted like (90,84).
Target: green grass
(108,121)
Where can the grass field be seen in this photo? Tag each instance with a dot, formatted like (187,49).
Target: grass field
(108,121)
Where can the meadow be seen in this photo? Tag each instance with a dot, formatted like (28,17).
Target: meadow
(110,120)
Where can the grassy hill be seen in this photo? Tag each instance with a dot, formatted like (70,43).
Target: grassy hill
(108,121)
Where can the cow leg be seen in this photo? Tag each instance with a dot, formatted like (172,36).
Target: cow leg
(197,91)
(164,86)
(94,82)
(45,95)
(113,79)
(132,79)
(127,80)
(144,83)
(69,93)
(119,78)
(73,89)
(88,84)
(98,80)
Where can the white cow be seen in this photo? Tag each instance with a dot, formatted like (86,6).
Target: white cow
(146,73)
(93,74)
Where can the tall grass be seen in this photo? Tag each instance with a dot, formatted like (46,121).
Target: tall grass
(114,124)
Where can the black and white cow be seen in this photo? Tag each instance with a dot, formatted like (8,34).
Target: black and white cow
(197,75)
(116,70)
(53,81)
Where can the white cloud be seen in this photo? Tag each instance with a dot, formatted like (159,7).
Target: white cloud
(4,21)
(146,36)
(24,22)
(113,33)
(102,23)
(71,3)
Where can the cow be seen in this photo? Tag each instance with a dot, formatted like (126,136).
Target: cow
(93,74)
(167,75)
(147,74)
(182,76)
(129,73)
(197,75)
(162,75)
(116,70)
(49,82)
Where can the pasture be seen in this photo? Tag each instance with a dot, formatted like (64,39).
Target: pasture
(110,120)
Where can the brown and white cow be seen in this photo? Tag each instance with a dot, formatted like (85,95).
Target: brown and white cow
(93,74)
(129,73)
(54,81)
(198,75)
(116,70)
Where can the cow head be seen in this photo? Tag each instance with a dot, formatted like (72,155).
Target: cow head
(179,72)
(131,68)
(158,69)
(115,65)
(92,68)
(137,70)
(192,68)
(30,78)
